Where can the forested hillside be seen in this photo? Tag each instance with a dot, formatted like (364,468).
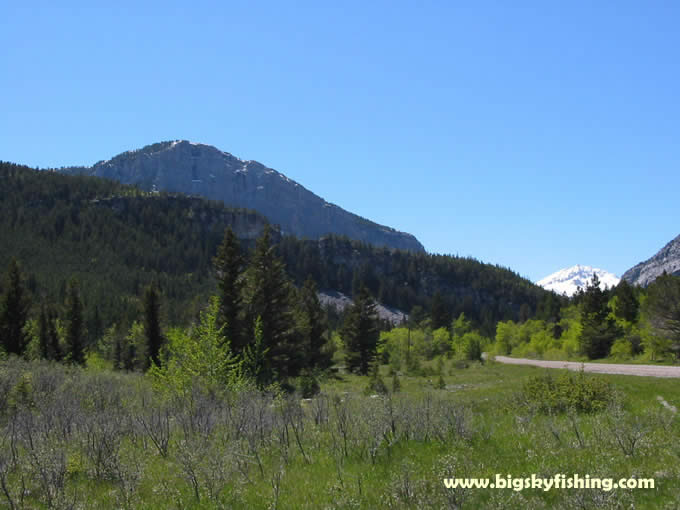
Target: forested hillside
(443,286)
(116,239)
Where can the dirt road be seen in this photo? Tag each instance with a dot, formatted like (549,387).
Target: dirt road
(598,368)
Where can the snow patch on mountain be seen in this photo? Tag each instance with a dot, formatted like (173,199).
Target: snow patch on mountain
(567,281)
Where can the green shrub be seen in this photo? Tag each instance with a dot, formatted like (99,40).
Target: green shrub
(375,383)
(579,392)
(396,385)
(308,385)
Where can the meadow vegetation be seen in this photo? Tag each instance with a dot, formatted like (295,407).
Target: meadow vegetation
(77,437)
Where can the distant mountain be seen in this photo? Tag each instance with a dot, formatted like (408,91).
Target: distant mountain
(667,259)
(567,281)
(198,169)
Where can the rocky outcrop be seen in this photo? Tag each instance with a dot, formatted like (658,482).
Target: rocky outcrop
(667,259)
(198,169)
(340,301)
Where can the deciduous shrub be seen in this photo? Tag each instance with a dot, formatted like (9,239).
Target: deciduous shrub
(578,392)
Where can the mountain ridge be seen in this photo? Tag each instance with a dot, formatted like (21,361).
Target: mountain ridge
(667,259)
(200,169)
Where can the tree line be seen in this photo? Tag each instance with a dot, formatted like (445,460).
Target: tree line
(261,323)
(622,322)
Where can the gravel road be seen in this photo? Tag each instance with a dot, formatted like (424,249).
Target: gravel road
(598,368)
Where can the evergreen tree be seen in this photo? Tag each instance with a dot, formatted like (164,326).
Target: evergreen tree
(95,327)
(152,326)
(255,362)
(228,265)
(360,333)
(663,308)
(439,312)
(75,333)
(599,330)
(627,304)
(312,326)
(53,336)
(43,334)
(269,296)
(14,309)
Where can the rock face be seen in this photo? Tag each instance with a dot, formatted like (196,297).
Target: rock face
(567,281)
(340,301)
(203,170)
(667,259)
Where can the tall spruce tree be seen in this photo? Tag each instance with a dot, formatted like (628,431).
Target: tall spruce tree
(14,309)
(439,311)
(54,351)
(43,333)
(663,308)
(228,265)
(599,330)
(269,296)
(75,331)
(627,303)
(312,326)
(152,326)
(360,333)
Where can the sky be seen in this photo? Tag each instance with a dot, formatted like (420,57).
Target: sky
(536,136)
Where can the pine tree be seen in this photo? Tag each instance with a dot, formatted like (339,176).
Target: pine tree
(53,336)
(152,326)
(269,296)
(312,326)
(663,308)
(75,333)
(43,334)
(14,309)
(627,304)
(228,265)
(599,330)
(439,312)
(360,333)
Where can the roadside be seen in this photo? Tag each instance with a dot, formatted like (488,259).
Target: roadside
(597,368)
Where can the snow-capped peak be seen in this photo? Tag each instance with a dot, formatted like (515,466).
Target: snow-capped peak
(567,281)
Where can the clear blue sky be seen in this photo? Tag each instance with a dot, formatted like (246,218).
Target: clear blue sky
(531,136)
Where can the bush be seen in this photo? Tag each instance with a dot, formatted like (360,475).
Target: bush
(580,393)
(375,383)
(308,385)
(472,346)
(622,349)
(396,385)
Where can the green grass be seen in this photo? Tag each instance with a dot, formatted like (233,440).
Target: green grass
(498,434)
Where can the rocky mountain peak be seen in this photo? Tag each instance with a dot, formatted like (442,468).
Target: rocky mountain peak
(667,259)
(567,281)
(203,170)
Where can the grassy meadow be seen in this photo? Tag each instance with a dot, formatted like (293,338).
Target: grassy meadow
(80,438)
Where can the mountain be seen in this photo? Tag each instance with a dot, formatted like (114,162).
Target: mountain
(197,169)
(667,259)
(116,239)
(566,281)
